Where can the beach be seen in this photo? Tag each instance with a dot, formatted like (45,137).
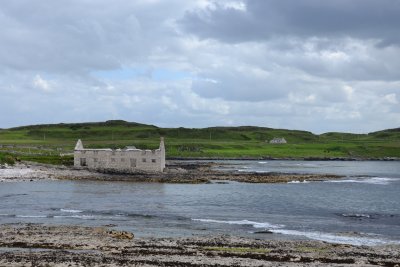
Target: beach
(41,245)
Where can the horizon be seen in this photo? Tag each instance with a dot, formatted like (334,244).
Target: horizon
(216,126)
(306,65)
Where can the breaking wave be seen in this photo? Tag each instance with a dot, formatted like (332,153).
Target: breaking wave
(369,180)
(321,236)
(71,211)
(242,222)
(82,217)
(338,239)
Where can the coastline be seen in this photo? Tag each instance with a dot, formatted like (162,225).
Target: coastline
(178,171)
(61,245)
(286,158)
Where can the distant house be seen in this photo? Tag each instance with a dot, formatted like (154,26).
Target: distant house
(278,140)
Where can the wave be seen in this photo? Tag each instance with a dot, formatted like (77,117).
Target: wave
(31,216)
(71,211)
(243,222)
(369,180)
(338,239)
(107,213)
(82,217)
(101,215)
(118,213)
(298,182)
(321,236)
(262,162)
(356,215)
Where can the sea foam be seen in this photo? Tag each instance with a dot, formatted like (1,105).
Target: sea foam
(338,239)
(71,211)
(298,182)
(369,180)
(82,217)
(242,222)
(31,216)
(321,236)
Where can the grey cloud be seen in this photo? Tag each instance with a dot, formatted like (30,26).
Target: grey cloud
(79,36)
(264,19)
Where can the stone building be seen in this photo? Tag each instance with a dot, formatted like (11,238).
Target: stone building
(126,160)
(277,140)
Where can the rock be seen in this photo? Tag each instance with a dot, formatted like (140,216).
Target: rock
(120,234)
(41,245)
(264,232)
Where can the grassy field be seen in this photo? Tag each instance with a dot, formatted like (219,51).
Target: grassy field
(53,143)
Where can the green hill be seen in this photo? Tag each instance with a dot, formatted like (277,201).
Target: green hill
(46,142)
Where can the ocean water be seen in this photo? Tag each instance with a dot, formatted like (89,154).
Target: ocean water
(362,209)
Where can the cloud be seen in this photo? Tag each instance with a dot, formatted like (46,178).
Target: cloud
(266,19)
(391,98)
(41,84)
(306,64)
(79,36)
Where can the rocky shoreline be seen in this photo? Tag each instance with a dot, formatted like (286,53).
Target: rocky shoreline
(59,245)
(289,158)
(176,172)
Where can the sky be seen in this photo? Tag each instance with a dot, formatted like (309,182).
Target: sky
(312,65)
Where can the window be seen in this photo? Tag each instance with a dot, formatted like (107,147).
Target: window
(143,160)
(95,160)
(112,159)
(133,163)
(153,160)
(83,162)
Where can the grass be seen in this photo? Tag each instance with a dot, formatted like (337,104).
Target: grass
(6,158)
(45,143)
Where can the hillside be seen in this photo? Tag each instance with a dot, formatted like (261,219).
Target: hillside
(46,142)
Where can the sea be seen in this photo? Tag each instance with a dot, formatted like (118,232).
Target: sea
(362,208)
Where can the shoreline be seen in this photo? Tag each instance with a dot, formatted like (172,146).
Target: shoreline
(285,158)
(176,172)
(61,245)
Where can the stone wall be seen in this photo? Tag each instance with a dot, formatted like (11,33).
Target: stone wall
(125,160)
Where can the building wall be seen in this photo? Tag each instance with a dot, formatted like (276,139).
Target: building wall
(278,141)
(129,160)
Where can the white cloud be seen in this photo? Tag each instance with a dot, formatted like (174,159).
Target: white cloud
(391,98)
(41,84)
